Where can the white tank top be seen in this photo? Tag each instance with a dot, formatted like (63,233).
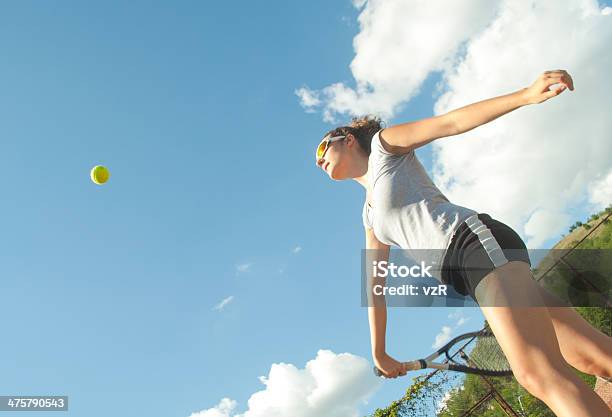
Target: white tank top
(409,211)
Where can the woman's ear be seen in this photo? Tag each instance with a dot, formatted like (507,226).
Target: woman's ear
(350,139)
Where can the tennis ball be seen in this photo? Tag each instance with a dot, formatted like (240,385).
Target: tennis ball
(99,174)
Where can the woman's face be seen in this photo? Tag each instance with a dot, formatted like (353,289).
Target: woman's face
(337,160)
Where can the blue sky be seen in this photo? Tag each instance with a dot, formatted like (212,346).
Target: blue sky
(108,292)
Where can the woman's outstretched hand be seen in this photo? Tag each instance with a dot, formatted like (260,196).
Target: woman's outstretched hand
(540,90)
(389,367)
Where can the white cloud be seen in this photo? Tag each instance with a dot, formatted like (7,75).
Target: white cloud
(223,303)
(543,223)
(455,314)
(223,409)
(308,98)
(445,333)
(530,168)
(297,249)
(243,268)
(331,385)
(459,317)
(399,44)
(442,337)
(600,191)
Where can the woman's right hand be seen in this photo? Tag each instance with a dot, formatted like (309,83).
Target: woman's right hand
(540,90)
(390,367)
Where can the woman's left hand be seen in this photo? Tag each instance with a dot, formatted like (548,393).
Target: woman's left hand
(539,91)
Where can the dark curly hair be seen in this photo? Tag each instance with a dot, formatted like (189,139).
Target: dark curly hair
(363,128)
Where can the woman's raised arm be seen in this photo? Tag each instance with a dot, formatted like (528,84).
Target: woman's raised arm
(471,116)
(402,138)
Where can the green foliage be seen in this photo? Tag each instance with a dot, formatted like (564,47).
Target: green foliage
(419,397)
(475,387)
(594,217)
(603,240)
(598,317)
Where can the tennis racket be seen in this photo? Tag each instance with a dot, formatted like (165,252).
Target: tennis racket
(486,358)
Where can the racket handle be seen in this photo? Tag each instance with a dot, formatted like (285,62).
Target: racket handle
(415,365)
(411,366)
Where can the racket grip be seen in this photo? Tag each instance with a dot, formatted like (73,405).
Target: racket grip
(411,366)
(414,365)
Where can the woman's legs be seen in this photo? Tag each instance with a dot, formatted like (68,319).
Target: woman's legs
(582,345)
(527,336)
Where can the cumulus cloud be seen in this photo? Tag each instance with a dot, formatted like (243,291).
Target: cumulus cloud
(400,42)
(600,190)
(446,332)
(331,385)
(530,168)
(442,337)
(223,303)
(308,99)
(223,409)
(543,223)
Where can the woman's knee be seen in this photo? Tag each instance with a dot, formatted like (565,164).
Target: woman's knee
(539,379)
(533,368)
(602,368)
(531,379)
(590,360)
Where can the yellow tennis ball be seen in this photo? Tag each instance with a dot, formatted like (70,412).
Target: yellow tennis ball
(99,174)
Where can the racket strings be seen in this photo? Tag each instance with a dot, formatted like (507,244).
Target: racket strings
(487,354)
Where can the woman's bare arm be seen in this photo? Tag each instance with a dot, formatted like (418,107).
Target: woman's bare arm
(377,311)
(403,138)
(377,308)
(476,114)
(471,116)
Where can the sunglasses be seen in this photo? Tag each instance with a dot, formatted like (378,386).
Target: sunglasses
(322,148)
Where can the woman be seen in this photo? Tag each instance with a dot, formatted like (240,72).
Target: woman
(404,208)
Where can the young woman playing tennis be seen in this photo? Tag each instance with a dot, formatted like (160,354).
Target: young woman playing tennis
(404,208)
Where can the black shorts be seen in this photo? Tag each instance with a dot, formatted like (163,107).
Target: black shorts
(477,247)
